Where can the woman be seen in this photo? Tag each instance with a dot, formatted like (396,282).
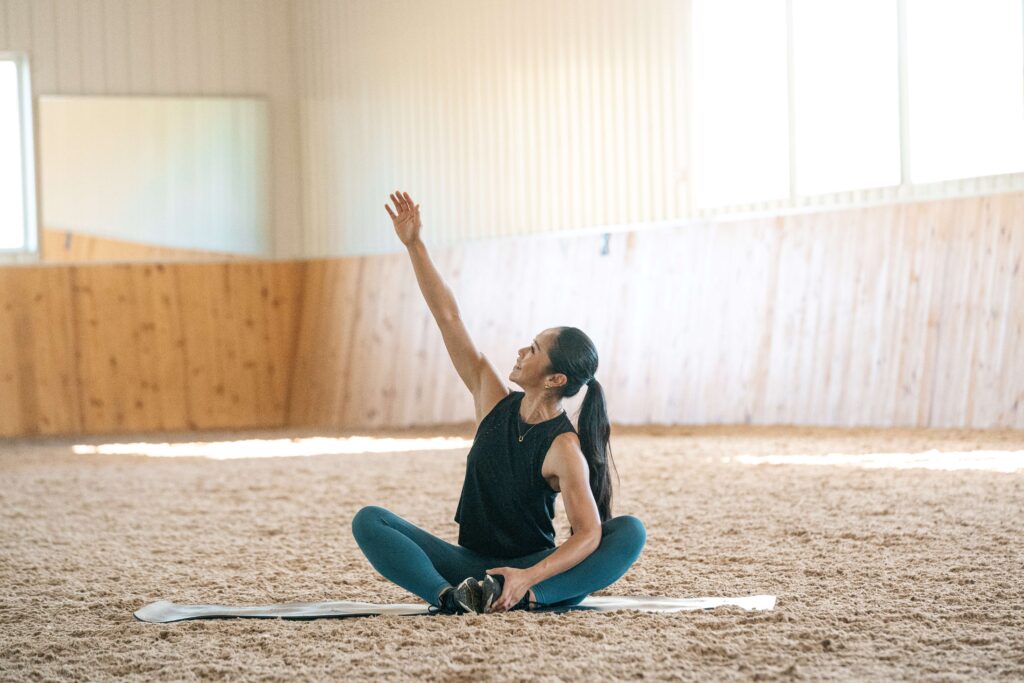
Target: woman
(524,454)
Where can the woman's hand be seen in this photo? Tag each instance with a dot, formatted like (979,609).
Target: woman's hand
(517,583)
(407,220)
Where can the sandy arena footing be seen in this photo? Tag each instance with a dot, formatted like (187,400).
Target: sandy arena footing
(889,566)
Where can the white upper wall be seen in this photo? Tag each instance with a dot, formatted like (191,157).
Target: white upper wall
(504,117)
(172,47)
(499,118)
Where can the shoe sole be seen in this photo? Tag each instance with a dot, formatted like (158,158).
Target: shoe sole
(467,595)
(490,590)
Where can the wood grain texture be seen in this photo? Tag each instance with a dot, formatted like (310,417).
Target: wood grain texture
(138,347)
(906,315)
(39,389)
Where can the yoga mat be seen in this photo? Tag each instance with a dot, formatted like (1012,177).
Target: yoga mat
(163,612)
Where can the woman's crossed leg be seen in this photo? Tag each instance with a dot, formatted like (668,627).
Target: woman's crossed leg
(425,565)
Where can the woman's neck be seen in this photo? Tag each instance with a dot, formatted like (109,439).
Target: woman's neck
(539,407)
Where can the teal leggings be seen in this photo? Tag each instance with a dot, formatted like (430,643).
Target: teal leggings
(425,565)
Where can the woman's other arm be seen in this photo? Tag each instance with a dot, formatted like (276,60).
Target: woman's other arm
(476,371)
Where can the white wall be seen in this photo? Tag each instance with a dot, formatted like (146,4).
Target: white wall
(503,117)
(173,47)
(499,117)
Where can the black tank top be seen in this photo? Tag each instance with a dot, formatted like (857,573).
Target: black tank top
(506,507)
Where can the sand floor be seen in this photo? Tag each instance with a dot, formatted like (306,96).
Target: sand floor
(881,574)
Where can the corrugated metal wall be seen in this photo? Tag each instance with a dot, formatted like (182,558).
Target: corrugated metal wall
(499,117)
(172,47)
(502,117)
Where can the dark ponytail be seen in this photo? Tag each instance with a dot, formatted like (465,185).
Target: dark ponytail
(574,355)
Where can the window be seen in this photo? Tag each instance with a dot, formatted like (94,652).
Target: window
(965,60)
(845,95)
(17,183)
(796,99)
(740,138)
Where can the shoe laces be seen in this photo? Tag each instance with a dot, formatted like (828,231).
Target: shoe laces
(447,604)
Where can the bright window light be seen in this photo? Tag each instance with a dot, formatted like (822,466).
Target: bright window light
(740,127)
(846,91)
(275,448)
(12,191)
(966,91)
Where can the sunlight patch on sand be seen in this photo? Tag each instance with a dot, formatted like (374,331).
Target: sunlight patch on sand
(275,448)
(990,461)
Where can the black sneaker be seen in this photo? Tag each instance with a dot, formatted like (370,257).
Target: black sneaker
(463,599)
(491,588)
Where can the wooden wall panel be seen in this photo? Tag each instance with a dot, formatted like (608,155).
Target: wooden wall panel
(907,315)
(118,365)
(139,347)
(323,339)
(39,390)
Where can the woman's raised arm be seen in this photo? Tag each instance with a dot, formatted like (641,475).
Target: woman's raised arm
(477,373)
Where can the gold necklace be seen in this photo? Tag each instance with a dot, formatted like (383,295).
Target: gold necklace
(523,436)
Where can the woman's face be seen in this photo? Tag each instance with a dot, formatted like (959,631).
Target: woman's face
(532,361)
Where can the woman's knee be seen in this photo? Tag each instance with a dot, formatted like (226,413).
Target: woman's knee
(365,518)
(630,526)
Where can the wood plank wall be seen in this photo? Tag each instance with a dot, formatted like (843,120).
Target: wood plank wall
(907,315)
(138,347)
(904,315)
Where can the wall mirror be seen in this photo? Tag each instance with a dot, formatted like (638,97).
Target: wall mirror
(152,178)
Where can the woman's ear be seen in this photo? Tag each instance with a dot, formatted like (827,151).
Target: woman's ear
(559,380)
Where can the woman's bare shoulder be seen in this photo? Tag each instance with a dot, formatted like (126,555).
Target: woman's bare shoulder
(491,391)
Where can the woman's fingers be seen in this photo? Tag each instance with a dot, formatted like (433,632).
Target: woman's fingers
(390,212)
(403,203)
